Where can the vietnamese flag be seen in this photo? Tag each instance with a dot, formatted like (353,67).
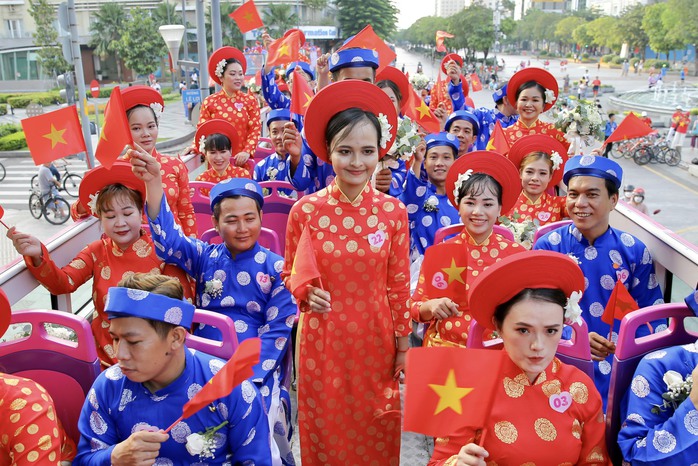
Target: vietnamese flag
(54,135)
(475,83)
(116,133)
(440,36)
(305,270)
(445,270)
(419,112)
(498,141)
(630,128)
(284,50)
(301,95)
(247,17)
(449,388)
(368,39)
(620,304)
(233,373)
(2,214)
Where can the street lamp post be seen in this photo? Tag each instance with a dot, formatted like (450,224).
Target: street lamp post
(172,35)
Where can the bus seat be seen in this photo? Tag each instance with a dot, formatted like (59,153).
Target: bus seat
(264,149)
(277,208)
(548,228)
(221,349)
(202,205)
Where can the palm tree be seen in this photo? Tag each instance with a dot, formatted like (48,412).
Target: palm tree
(278,18)
(106,31)
(165,13)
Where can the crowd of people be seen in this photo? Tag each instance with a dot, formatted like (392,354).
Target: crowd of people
(362,271)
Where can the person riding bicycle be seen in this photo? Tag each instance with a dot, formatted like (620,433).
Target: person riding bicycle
(637,200)
(48,184)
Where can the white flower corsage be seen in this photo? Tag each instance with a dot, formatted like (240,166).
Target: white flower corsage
(92,204)
(550,96)
(385,130)
(556,159)
(220,68)
(573,313)
(431,204)
(157,109)
(202,144)
(678,389)
(203,444)
(271,173)
(462,178)
(214,288)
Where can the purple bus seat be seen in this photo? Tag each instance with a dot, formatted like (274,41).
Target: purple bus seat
(276,208)
(264,149)
(629,352)
(574,352)
(548,228)
(267,238)
(202,205)
(444,232)
(66,369)
(220,349)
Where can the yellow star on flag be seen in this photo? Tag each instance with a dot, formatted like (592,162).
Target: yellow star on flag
(454,272)
(308,97)
(56,136)
(102,137)
(450,394)
(293,267)
(423,110)
(283,50)
(248,17)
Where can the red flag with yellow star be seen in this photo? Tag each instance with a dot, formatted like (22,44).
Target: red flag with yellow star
(301,95)
(247,17)
(498,141)
(419,112)
(630,128)
(54,135)
(305,270)
(445,270)
(284,50)
(440,36)
(619,304)
(449,388)
(368,39)
(116,133)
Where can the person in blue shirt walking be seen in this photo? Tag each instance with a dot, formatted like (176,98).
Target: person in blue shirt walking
(611,126)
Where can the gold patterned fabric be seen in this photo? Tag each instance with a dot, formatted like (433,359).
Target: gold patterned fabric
(519,129)
(525,428)
(242,111)
(30,432)
(547,209)
(348,400)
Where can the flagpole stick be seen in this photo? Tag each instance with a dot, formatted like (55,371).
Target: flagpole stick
(174,424)
(4,224)
(482,437)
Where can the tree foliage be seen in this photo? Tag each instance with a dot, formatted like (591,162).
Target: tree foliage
(630,29)
(655,25)
(279,18)
(166,13)
(604,32)
(354,15)
(423,31)
(50,54)
(141,45)
(475,30)
(106,31)
(315,4)
(564,30)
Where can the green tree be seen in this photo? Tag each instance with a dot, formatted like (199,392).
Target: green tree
(106,32)
(166,13)
(629,26)
(354,15)
(46,38)
(141,45)
(683,17)
(315,4)
(229,29)
(423,31)
(564,30)
(279,18)
(537,26)
(604,33)
(581,36)
(476,30)
(656,28)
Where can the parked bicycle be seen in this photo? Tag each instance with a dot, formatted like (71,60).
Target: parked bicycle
(658,152)
(55,210)
(2,172)
(70,182)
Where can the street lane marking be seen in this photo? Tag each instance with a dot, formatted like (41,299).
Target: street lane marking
(686,230)
(673,181)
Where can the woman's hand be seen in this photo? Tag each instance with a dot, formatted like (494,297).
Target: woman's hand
(600,346)
(439,309)
(319,300)
(144,166)
(241,158)
(441,114)
(292,141)
(418,156)
(26,245)
(399,365)
(472,455)
(453,71)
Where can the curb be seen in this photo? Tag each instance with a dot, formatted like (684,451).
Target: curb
(162,145)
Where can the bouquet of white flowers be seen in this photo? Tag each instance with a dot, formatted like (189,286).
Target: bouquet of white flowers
(406,140)
(583,121)
(419,81)
(678,389)
(523,231)
(252,86)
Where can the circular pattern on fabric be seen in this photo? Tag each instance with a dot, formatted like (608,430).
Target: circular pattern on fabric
(173,315)
(640,386)
(691,422)
(136,295)
(506,432)
(97,424)
(605,367)
(243,278)
(545,429)
(664,441)
(579,392)
(634,417)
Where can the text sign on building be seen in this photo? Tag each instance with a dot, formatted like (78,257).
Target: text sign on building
(319,32)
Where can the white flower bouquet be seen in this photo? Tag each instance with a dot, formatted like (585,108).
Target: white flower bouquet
(523,231)
(678,389)
(203,444)
(407,139)
(419,81)
(583,120)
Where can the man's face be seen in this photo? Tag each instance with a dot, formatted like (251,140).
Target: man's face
(362,73)
(589,205)
(239,223)
(463,130)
